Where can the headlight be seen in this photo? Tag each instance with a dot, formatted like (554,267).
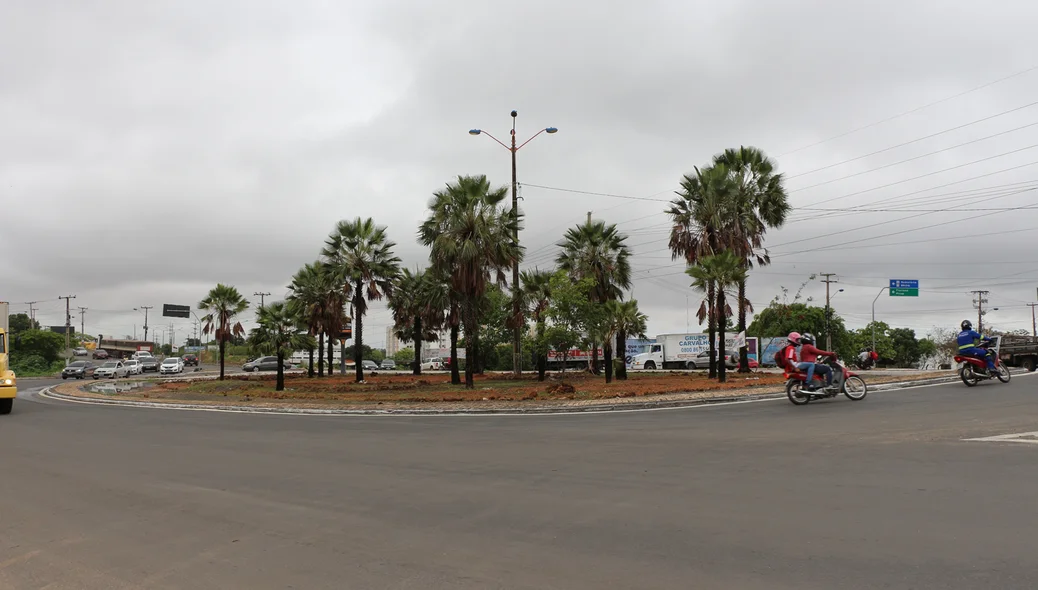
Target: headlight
(8,381)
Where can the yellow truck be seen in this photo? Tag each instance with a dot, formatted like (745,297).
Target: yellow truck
(8,385)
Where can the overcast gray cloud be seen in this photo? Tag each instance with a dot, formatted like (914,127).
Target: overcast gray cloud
(151,149)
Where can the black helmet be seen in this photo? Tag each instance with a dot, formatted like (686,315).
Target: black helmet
(808,338)
(966,325)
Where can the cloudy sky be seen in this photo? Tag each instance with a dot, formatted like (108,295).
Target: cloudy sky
(152,149)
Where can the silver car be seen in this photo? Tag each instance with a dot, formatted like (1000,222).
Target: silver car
(171,366)
(112,370)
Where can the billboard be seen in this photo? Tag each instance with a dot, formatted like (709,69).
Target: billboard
(176,311)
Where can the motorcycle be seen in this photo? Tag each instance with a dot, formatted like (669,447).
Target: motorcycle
(974,370)
(844,381)
(868,362)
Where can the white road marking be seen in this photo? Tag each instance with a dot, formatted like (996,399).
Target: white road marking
(1020,437)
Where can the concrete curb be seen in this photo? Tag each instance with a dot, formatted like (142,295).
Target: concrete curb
(589,409)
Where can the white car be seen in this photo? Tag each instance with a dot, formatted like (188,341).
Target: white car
(171,366)
(112,370)
(137,355)
(133,366)
(432,365)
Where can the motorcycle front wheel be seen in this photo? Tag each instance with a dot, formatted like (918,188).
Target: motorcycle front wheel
(794,393)
(968,376)
(1003,374)
(855,389)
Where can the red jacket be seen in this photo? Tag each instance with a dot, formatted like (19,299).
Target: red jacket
(810,354)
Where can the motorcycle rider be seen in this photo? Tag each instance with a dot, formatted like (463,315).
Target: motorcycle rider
(969,345)
(789,353)
(808,355)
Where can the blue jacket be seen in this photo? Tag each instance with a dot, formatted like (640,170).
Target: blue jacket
(969,339)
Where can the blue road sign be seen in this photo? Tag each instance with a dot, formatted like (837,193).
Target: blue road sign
(904,284)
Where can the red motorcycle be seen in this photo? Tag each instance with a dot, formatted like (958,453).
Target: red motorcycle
(844,381)
(974,370)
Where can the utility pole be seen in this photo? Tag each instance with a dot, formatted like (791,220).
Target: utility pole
(68,323)
(262,298)
(828,280)
(82,320)
(146,308)
(589,218)
(32,313)
(979,303)
(1034,324)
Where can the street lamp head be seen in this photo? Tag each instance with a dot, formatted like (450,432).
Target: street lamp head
(552,130)
(840,291)
(475,131)
(515,114)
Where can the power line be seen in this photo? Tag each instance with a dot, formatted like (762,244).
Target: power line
(579,192)
(916,140)
(909,112)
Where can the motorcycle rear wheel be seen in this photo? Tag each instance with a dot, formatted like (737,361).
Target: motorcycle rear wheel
(1003,374)
(794,393)
(968,376)
(855,389)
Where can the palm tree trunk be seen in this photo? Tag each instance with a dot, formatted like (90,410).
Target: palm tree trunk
(542,358)
(416,335)
(607,350)
(721,321)
(223,348)
(331,355)
(358,341)
(711,324)
(455,375)
(470,344)
(281,370)
(621,345)
(744,361)
(320,355)
(310,372)
(594,358)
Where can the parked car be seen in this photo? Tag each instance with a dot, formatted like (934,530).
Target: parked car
(388,364)
(190,360)
(80,352)
(78,370)
(263,363)
(369,365)
(432,365)
(171,366)
(111,370)
(133,366)
(101,353)
(149,363)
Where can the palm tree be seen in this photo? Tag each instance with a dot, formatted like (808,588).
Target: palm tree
(724,271)
(223,303)
(596,250)
(701,222)
(625,320)
(278,331)
(536,291)
(308,293)
(444,304)
(336,320)
(414,317)
(361,258)
(761,203)
(470,237)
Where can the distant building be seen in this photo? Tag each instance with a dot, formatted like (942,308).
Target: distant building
(392,342)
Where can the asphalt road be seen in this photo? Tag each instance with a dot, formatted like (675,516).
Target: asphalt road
(882,493)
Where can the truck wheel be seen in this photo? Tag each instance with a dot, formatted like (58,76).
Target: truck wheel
(650,366)
(1028,363)
(5,406)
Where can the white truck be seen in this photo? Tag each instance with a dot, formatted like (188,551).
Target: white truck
(683,352)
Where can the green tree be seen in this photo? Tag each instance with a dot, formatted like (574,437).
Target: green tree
(470,238)
(701,218)
(724,271)
(906,347)
(495,328)
(310,293)
(536,294)
(223,304)
(415,314)
(279,331)
(445,305)
(361,258)
(760,203)
(779,319)
(597,251)
(20,322)
(404,356)
(573,311)
(562,339)
(624,319)
(42,343)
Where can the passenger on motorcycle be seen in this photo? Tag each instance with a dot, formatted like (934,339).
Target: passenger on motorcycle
(788,354)
(969,345)
(808,355)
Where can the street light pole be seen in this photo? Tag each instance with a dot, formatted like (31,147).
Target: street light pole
(874,317)
(517,365)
